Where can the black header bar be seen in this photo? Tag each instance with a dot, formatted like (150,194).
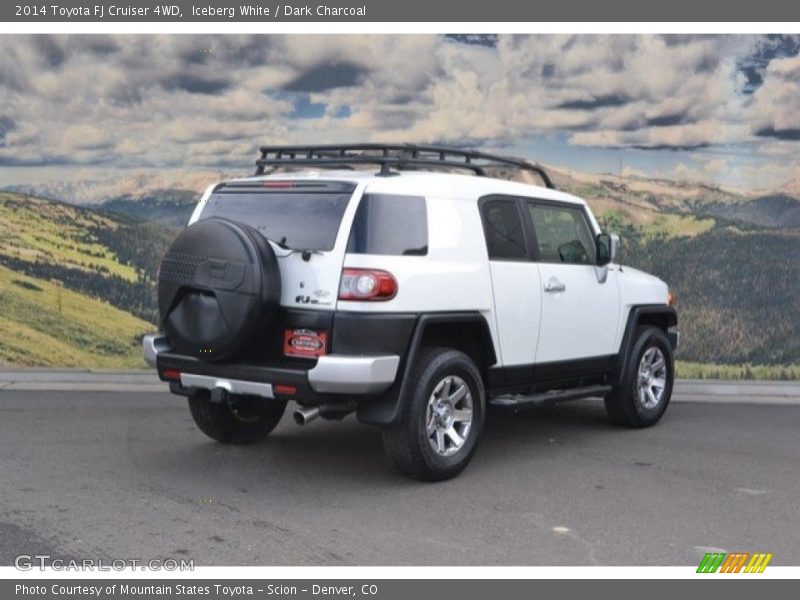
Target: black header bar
(472,11)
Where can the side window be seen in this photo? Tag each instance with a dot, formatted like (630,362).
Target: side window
(390,224)
(503,229)
(562,234)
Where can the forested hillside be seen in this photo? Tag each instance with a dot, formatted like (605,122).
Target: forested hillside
(776,211)
(168,207)
(739,293)
(112,258)
(738,289)
(733,262)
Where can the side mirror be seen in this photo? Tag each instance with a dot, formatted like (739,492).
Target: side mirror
(607,248)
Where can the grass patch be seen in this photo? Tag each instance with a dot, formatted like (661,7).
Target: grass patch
(691,370)
(650,225)
(672,226)
(45,325)
(28,285)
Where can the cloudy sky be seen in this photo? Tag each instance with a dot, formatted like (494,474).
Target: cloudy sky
(722,109)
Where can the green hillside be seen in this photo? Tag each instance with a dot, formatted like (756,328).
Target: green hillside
(738,283)
(76,285)
(44,325)
(36,230)
(111,257)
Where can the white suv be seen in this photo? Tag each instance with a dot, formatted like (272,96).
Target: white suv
(408,294)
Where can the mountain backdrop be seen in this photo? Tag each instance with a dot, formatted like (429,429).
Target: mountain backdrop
(76,284)
(77,278)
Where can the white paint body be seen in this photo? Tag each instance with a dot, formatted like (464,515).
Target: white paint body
(527,324)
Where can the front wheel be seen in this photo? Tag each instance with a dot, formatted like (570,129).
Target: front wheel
(442,418)
(237,420)
(646,385)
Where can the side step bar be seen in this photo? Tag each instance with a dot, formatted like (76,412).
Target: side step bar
(518,402)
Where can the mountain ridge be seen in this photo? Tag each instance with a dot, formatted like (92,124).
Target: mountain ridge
(706,242)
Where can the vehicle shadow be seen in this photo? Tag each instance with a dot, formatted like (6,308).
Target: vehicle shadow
(347,451)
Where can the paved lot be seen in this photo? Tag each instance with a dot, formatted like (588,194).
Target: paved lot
(127,475)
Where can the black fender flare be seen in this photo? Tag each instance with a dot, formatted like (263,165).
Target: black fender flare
(656,314)
(387,408)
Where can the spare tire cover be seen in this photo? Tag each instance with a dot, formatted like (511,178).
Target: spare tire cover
(218,285)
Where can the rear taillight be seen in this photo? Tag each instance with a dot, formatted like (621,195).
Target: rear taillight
(367,284)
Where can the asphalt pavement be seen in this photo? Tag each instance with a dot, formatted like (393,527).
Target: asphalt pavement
(125,474)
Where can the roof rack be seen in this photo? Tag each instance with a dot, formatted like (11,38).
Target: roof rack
(391,156)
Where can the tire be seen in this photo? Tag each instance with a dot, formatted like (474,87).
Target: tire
(219,288)
(630,404)
(241,420)
(408,443)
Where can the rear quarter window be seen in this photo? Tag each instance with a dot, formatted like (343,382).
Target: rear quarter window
(390,224)
(503,229)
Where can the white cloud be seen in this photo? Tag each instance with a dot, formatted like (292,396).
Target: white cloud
(166,101)
(776,104)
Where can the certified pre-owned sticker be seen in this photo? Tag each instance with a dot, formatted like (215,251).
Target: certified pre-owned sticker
(304,342)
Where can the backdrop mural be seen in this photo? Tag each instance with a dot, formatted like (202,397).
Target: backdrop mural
(688,146)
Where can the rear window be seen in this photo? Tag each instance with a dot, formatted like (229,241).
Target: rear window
(301,216)
(391,225)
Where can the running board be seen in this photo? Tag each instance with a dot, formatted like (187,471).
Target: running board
(518,402)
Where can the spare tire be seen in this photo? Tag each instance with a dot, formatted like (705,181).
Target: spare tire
(218,285)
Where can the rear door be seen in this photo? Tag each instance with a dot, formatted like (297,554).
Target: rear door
(515,282)
(302,220)
(579,313)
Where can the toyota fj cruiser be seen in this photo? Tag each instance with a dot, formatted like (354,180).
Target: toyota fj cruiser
(407,293)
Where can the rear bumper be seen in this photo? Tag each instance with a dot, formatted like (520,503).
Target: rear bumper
(341,374)
(152,346)
(333,374)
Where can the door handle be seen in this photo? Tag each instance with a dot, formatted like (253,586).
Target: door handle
(554,285)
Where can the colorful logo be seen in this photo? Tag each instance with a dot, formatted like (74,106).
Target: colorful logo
(734,562)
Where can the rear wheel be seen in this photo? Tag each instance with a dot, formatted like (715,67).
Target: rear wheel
(238,420)
(646,387)
(442,418)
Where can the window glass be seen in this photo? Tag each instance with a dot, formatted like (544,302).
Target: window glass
(302,221)
(503,229)
(562,234)
(390,224)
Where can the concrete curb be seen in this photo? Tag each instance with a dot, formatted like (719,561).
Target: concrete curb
(81,380)
(146,381)
(737,392)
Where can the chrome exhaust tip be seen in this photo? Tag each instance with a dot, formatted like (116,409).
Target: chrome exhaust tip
(303,416)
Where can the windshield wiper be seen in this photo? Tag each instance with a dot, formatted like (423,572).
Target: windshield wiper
(305,254)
